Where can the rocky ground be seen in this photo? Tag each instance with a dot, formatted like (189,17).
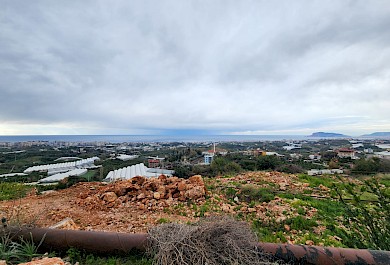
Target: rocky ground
(137,204)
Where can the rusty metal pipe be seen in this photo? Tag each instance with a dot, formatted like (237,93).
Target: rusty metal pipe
(110,242)
(94,241)
(302,254)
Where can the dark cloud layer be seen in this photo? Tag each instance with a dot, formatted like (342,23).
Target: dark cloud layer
(222,66)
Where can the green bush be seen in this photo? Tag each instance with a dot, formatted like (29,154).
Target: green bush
(12,190)
(301,223)
(367,223)
(222,166)
(290,168)
(267,162)
(252,193)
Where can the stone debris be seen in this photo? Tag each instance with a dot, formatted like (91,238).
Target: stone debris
(135,205)
(67,224)
(145,193)
(45,261)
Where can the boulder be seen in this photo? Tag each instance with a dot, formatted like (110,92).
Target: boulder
(197,179)
(195,193)
(120,191)
(109,196)
(162,177)
(138,180)
(182,186)
(161,189)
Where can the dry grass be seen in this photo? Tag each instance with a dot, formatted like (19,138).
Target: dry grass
(212,241)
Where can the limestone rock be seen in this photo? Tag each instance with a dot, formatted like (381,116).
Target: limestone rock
(109,196)
(309,242)
(181,186)
(225,208)
(251,210)
(143,190)
(156,195)
(323,188)
(197,179)
(45,261)
(67,224)
(195,193)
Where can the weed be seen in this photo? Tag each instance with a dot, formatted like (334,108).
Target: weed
(12,190)
(230,192)
(301,211)
(83,258)
(316,181)
(15,253)
(28,249)
(73,254)
(301,223)
(163,221)
(253,193)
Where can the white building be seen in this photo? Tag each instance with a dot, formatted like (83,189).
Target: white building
(292,146)
(208,158)
(124,157)
(315,157)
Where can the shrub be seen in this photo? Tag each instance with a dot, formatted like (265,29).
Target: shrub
(367,223)
(252,193)
(290,168)
(267,162)
(10,190)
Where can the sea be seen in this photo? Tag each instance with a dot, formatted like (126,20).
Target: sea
(149,138)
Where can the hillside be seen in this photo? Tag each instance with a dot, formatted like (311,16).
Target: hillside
(280,207)
(377,134)
(327,135)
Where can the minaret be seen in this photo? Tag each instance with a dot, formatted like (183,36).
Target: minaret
(214,148)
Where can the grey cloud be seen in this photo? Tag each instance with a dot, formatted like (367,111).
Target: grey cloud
(224,65)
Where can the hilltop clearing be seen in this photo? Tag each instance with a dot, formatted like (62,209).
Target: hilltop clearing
(280,207)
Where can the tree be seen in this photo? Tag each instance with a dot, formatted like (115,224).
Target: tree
(366,166)
(267,162)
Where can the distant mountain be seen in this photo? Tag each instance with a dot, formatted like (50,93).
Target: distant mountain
(326,135)
(377,134)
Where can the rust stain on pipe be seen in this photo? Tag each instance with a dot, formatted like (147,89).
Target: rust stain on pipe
(101,242)
(109,242)
(302,254)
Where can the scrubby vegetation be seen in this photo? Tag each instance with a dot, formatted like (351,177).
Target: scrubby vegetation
(299,209)
(12,190)
(367,223)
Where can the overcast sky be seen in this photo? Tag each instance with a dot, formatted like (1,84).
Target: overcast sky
(172,67)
